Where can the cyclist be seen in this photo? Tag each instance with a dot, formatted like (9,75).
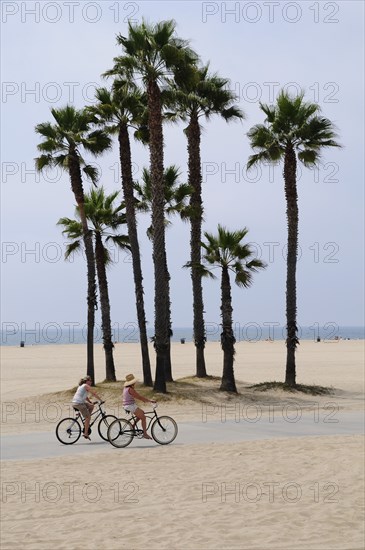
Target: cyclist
(82,403)
(129,404)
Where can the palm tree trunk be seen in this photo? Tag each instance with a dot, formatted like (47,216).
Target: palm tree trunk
(195,180)
(105,309)
(158,226)
(77,188)
(127,185)
(91,301)
(168,366)
(290,166)
(227,337)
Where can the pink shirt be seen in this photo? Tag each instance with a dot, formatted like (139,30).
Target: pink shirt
(127,398)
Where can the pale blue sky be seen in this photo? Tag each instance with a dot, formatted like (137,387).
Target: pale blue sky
(261,47)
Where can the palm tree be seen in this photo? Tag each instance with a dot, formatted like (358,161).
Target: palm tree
(153,53)
(226,252)
(105,219)
(176,195)
(117,111)
(293,131)
(62,144)
(201,97)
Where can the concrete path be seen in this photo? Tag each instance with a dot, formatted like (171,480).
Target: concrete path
(45,444)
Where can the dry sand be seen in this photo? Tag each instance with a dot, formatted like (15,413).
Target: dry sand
(298,493)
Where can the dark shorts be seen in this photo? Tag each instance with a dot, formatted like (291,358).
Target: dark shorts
(84,408)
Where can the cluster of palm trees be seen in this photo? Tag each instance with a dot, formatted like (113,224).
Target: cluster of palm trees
(159,78)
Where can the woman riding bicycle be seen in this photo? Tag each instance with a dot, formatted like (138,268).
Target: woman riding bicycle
(82,403)
(129,404)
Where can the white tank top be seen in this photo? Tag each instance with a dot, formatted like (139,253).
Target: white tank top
(80,395)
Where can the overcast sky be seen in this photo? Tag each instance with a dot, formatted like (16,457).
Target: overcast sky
(53,53)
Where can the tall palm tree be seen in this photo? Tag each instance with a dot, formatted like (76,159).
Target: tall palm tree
(200,98)
(118,110)
(293,131)
(226,252)
(62,146)
(105,219)
(153,53)
(176,196)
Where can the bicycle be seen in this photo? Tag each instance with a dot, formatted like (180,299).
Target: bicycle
(122,431)
(69,430)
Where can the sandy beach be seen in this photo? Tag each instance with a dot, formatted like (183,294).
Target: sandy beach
(287,493)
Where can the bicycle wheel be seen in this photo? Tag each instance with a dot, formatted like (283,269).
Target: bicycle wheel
(104,424)
(120,433)
(164,430)
(68,431)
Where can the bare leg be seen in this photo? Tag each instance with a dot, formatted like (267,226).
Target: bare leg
(141,416)
(87,421)
(87,425)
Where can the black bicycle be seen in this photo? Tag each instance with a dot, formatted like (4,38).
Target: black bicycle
(69,430)
(122,431)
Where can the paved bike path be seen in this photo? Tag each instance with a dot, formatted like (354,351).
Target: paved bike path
(45,445)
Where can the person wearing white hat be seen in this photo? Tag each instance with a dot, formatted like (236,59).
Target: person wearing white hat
(129,403)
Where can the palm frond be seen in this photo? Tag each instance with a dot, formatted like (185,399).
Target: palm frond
(72,248)
(91,172)
(201,269)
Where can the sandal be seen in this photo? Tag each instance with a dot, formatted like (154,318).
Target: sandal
(86,437)
(147,436)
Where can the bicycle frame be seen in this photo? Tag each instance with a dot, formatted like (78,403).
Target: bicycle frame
(134,420)
(98,412)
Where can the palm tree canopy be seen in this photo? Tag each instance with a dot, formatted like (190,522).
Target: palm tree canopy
(153,52)
(104,217)
(291,122)
(225,250)
(176,194)
(205,94)
(125,104)
(71,132)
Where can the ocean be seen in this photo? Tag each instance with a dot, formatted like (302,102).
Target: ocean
(14,334)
